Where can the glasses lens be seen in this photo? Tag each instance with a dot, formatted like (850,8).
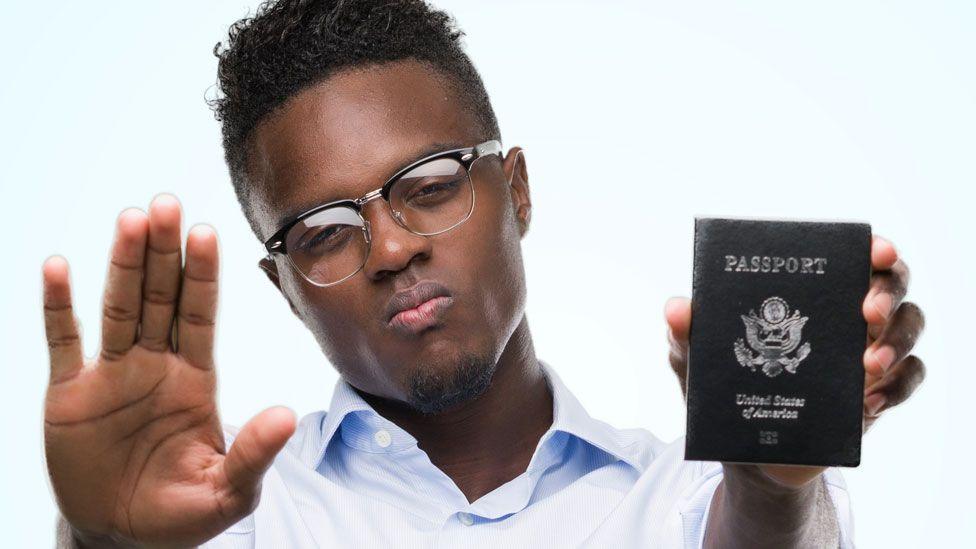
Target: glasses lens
(434,196)
(329,246)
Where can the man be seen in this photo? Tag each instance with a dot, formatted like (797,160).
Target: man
(367,158)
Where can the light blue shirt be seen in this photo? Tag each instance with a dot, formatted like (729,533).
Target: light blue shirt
(351,478)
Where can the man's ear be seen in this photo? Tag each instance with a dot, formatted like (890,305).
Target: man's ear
(270,269)
(517,174)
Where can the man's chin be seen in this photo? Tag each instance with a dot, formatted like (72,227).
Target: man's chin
(436,387)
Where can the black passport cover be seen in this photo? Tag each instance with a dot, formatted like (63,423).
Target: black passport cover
(775,371)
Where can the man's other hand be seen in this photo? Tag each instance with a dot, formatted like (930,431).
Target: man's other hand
(134,444)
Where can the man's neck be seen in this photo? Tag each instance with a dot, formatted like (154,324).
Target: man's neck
(486,442)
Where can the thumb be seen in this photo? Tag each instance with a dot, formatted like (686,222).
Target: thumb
(677,313)
(254,448)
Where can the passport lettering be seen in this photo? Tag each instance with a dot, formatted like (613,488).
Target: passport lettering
(769,406)
(775,264)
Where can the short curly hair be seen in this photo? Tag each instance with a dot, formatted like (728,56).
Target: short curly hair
(290,45)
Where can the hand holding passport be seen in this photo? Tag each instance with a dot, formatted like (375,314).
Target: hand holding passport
(796,337)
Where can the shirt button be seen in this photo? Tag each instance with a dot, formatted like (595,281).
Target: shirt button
(465,519)
(383,438)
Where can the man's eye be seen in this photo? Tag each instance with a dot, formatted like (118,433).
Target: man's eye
(431,191)
(324,237)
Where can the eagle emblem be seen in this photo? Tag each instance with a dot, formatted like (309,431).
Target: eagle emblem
(772,336)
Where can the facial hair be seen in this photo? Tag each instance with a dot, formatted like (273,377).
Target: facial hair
(435,388)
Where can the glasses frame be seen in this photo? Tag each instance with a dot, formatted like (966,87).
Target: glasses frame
(465,156)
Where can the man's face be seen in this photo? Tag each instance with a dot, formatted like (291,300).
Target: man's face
(343,138)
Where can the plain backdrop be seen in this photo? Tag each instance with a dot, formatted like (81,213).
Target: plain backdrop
(639,115)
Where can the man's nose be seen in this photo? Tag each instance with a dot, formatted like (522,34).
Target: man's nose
(392,246)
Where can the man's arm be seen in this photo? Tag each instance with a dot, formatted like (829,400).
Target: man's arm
(751,509)
(789,506)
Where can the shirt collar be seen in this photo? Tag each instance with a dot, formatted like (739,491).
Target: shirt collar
(352,418)
(571,417)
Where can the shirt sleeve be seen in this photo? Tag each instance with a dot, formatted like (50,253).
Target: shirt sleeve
(837,489)
(694,512)
(64,539)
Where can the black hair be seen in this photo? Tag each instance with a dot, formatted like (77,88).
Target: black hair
(290,45)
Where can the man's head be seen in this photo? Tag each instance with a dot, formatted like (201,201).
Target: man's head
(325,100)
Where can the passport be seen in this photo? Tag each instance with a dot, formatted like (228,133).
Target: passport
(775,357)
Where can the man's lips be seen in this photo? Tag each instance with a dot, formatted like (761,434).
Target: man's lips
(423,316)
(418,307)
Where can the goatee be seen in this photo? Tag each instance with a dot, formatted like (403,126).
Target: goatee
(434,389)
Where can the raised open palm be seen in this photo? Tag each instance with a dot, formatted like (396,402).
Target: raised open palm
(134,443)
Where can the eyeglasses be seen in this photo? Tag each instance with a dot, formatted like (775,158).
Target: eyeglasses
(330,243)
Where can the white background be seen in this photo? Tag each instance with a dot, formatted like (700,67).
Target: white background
(650,112)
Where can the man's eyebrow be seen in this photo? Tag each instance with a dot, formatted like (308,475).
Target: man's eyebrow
(427,150)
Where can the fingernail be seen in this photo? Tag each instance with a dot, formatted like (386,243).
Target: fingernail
(667,304)
(892,244)
(202,230)
(164,197)
(874,402)
(883,357)
(882,304)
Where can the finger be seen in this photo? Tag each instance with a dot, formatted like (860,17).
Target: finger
(163,267)
(894,388)
(63,341)
(123,289)
(254,449)
(888,288)
(677,313)
(883,253)
(197,310)
(896,341)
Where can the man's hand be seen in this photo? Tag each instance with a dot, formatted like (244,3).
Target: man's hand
(134,444)
(891,374)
